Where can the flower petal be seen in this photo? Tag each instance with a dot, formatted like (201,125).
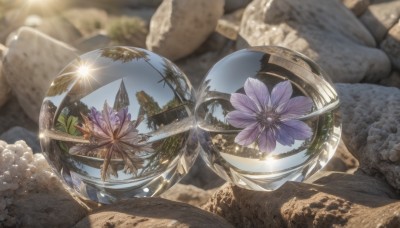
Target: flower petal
(243,103)
(248,135)
(296,106)
(296,129)
(284,138)
(257,91)
(267,141)
(240,119)
(281,93)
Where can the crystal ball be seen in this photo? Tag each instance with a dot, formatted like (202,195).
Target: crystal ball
(118,123)
(265,116)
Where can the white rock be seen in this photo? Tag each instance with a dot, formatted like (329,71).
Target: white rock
(4,87)
(327,33)
(32,61)
(379,18)
(178,27)
(371,128)
(30,193)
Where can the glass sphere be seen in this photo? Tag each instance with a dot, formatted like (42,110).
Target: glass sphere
(118,123)
(267,115)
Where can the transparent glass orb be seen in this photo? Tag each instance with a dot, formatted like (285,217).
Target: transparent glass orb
(267,115)
(118,123)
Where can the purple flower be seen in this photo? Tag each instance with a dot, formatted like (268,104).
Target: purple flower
(269,118)
(112,134)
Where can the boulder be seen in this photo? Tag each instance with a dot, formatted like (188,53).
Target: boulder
(371,128)
(228,25)
(87,20)
(178,27)
(32,61)
(151,212)
(59,28)
(379,18)
(5,90)
(333,200)
(391,45)
(327,33)
(31,195)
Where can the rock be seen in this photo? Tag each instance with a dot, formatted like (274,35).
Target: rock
(228,25)
(379,18)
(176,32)
(342,160)
(28,182)
(60,28)
(188,194)
(151,212)
(358,7)
(391,45)
(232,5)
(371,128)
(393,80)
(93,42)
(5,90)
(32,61)
(334,200)
(327,33)
(20,133)
(130,31)
(87,20)
(11,114)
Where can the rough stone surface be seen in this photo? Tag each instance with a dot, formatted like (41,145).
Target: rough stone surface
(30,193)
(151,212)
(188,194)
(327,33)
(358,7)
(334,200)
(391,45)
(20,133)
(379,18)
(5,90)
(32,61)
(371,128)
(60,28)
(393,80)
(176,31)
(229,24)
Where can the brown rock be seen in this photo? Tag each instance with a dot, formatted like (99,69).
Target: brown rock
(371,128)
(151,212)
(47,209)
(188,194)
(60,28)
(335,199)
(391,45)
(358,7)
(228,25)
(178,27)
(379,18)
(327,33)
